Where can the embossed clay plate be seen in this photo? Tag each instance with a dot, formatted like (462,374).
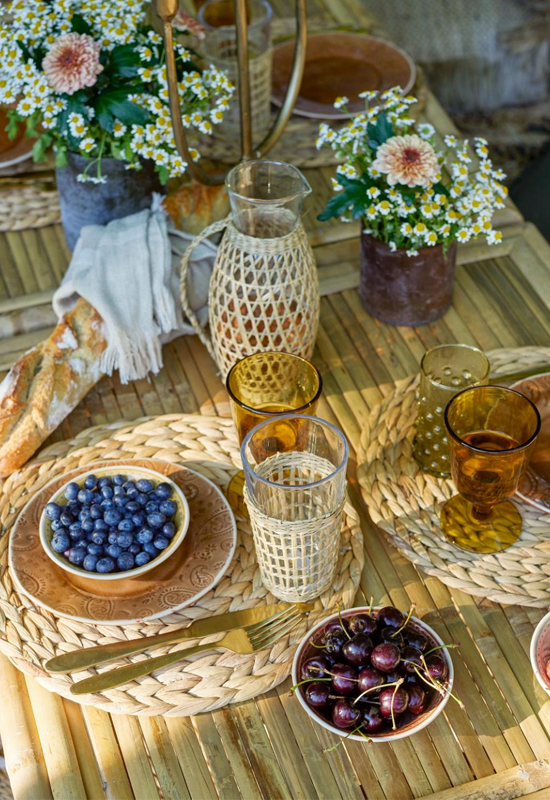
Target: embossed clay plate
(535,484)
(199,563)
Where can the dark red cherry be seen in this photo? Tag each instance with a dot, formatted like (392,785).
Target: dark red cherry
(385,657)
(390,617)
(336,626)
(411,660)
(391,636)
(393,677)
(315,667)
(334,643)
(358,649)
(372,719)
(417,699)
(362,623)
(344,679)
(437,668)
(346,715)
(369,679)
(414,638)
(317,694)
(398,698)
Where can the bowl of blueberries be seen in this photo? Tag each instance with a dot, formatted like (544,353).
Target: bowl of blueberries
(372,674)
(111,524)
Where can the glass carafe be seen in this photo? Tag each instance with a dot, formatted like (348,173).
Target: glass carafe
(266,197)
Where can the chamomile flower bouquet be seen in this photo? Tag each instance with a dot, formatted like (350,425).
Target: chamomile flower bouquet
(88,77)
(409,193)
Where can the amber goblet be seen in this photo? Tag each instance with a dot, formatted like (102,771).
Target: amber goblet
(491,433)
(262,386)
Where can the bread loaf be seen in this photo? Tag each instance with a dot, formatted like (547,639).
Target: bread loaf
(46,384)
(194,206)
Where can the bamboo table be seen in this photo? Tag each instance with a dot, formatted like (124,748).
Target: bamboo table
(498,746)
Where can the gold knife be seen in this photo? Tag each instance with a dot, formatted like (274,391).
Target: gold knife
(92,656)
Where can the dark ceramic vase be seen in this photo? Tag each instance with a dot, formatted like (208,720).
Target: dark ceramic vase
(406,290)
(125,192)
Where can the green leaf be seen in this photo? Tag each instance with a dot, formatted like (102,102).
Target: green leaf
(79,24)
(163,174)
(379,132)
(12,128)
(440,188)
(61,157)
(115,103)
(124,61)
(40,147)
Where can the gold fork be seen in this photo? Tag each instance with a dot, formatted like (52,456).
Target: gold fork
(245,640)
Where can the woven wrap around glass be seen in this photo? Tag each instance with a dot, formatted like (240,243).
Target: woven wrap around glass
(444,371)
(295,500)
(220,49)
(492,432)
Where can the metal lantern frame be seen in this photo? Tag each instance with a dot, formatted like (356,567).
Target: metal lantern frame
(166,10)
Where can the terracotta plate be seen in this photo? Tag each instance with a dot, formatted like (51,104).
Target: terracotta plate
(341,64)
(199,563)
(535,485)
(12,151)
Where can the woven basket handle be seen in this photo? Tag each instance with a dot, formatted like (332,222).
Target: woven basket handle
(216,227)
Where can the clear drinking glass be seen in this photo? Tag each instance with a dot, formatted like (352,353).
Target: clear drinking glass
(445,371)
(295,500)
(220,49)
(266,197)
(492,432)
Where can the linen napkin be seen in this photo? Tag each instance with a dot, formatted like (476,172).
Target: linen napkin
(129,271)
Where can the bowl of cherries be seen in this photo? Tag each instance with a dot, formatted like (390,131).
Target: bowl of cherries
(540,652)
(373,674)
(113,524)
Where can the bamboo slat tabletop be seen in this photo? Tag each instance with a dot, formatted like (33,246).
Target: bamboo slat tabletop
(497,746)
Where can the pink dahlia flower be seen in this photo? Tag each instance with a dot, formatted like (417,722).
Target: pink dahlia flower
(407,159)
(185,22)
(72,63)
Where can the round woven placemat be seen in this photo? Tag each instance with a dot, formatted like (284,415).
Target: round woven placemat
(405,502)
(29,636)
(28,207)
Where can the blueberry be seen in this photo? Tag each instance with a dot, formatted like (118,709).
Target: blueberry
(168,507)
(84,513)
(118,490)
(120,501)
(60,543)
(163,491)
(145,535)
(113,536)
(134,548)
(124,540)
(90,563)
(56,524)
(107,492)
(139,518)
(150,548)
(66,518)
(141,498)
(152,507)
(142,558)
(100,525)
(94,549)
(106,505)
(96,499)
(103,482)
(88,525)
(144,485)
(76,535)
(112,516)
(126,525)
(113,550)
(96,512)
(132,506)
(90,482)
(71,490)
(156,520)
(105,565)
(125,561)
(161,542)
(77,555)
(118,480)
(53,511)
(168,530)
(98,538)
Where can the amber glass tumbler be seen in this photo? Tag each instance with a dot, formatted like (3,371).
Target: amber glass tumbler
(491,432)
(264,385)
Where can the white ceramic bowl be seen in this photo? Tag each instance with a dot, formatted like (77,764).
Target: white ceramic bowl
(437,704)
(540,651)
(181,521)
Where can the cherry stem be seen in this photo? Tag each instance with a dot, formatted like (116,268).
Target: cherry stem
(355,730)
(320,669)
(397,685)
(409,615)
(439,647)
(371,602)
(342,622)
(307,680)
(374,688)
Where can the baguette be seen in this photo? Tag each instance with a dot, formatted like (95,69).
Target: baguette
(47,383)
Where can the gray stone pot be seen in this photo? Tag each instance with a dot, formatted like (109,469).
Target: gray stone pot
(125,192)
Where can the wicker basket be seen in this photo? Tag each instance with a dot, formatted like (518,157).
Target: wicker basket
(264,295)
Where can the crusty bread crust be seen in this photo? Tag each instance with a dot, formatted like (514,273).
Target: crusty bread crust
(44,386)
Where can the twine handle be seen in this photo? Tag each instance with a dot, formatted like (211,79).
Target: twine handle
(210,230)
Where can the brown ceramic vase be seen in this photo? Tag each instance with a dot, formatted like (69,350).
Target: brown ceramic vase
(406,290)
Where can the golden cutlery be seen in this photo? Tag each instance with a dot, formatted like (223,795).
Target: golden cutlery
(78,660)
(245,640)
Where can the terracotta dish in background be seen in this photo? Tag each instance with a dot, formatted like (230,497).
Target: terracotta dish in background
(339,64)
(535,484)
(12,151)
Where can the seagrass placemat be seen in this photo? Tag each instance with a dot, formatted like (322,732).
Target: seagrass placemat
(29,636)
(28,207)
(405,502)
